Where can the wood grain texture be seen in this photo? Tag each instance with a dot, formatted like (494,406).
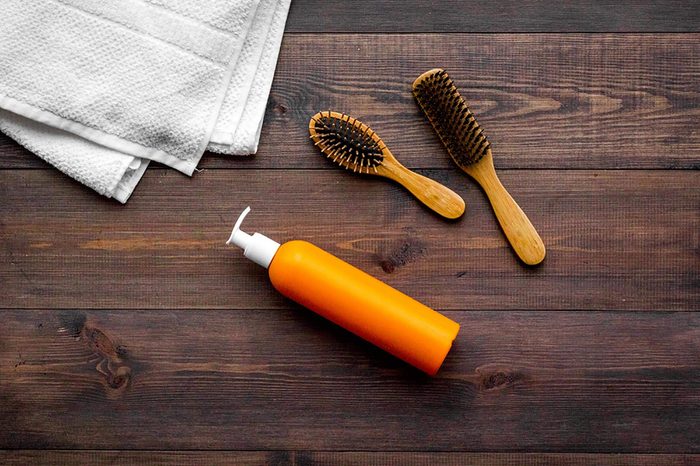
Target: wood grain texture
(132,334)
(617,240)
(288,380)
(549,101)
(320,458)
(504,16)
(516,226)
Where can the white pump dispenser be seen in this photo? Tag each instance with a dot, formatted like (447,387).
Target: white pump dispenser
(256,247)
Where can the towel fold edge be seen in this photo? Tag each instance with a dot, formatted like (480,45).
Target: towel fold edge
(126,185)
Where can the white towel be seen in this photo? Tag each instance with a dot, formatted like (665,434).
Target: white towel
(100,88)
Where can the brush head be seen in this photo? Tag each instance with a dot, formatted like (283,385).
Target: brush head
(347,141)
(449,114)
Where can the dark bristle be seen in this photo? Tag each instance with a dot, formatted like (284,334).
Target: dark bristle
(347,141)
(449,114)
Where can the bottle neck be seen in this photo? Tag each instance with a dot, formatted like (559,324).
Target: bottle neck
(256,247)
(260,249)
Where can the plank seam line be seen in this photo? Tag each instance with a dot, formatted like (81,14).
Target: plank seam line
(215,450)
(329,169)
(292,309)
(491,33)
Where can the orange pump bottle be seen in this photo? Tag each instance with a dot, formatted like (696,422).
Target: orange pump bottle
(352,299)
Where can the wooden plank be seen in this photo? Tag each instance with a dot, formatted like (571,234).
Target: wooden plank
(288,380)
(546,100)
(316,458)
(617,240)
(504,16)
(12,155)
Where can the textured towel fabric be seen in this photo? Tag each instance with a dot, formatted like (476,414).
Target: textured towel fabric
(105,170)
(240,121)
(100,88)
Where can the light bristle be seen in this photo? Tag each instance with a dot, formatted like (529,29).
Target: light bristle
(449,114)
(346,141)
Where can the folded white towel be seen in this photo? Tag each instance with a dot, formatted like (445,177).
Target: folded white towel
(110,173)
(100,88)
(240,121)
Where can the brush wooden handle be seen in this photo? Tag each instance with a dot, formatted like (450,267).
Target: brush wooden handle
(517,227)
(437,197)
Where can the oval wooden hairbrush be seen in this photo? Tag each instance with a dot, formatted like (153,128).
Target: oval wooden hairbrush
(355,146)
(471,151)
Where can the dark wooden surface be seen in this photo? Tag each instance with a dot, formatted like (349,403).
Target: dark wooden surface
(285,379)
(318,458)
(617,240)
(447,16)
(131,334)
(548,101)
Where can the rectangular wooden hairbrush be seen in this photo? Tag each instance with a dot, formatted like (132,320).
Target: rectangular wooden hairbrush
(471,151)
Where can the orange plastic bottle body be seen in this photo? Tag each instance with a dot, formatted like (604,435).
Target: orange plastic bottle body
(363,305)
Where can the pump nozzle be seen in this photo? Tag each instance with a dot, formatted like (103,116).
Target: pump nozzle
(238,237)
(256,247)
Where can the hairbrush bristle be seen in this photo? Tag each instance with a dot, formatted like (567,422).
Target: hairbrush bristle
(449,114)
(347,141)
